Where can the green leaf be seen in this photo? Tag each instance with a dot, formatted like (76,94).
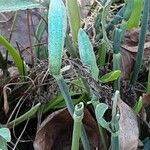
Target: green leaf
(5,134)
(23,117)
(136,14)
(100,111)
(87,54)
(74,17)
(14,5)
(111,76)
(59,102)
(57,26)
(22,68)
(138,106)
(40,53)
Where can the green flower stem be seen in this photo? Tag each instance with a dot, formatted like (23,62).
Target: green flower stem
(115,123)
(95,102)
(116,66)
(142,36)
(117,56)
(77,116)
(65,92)
(115,142)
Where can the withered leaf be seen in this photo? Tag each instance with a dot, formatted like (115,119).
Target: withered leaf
(55,132)
(128,127)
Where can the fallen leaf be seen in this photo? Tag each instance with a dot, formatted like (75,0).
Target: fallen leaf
(146,99)
(128,127)
(129,49)
(55,132)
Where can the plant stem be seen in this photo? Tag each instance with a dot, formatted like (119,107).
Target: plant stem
(77,116)
(117,56)
(115,142)
(65,92)
(142,36)
(95,101)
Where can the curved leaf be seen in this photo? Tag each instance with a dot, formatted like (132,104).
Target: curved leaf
(22,68)
(5,134)
(100,111)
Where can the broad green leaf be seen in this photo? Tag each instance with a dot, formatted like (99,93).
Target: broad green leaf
(87,54)
(136,14)
(74,17)
(111,76)
(14,5)
(22,68)
(5,134)
(57,25)
(100,111)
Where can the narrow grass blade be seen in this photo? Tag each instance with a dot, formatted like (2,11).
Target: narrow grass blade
(24,117)
(38,36)
(22,68)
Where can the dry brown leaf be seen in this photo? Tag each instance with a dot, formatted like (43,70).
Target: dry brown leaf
(128,125)
(55,132)
(146,99)
(129,49)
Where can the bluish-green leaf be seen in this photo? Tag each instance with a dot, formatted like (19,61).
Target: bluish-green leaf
(5,134)
(87,54)
(57,25)
(13,5)
(111,76)
(100,111)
